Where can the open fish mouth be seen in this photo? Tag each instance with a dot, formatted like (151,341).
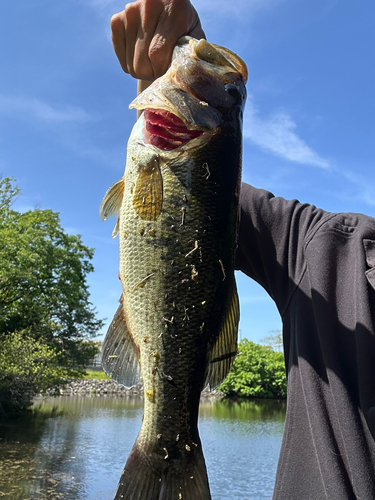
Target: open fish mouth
(165,130)
(204,84)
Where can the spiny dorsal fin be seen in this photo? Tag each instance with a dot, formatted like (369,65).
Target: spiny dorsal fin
(223,352)
(111,204)
(120,355)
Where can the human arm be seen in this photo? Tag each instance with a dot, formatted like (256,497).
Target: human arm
(273,233)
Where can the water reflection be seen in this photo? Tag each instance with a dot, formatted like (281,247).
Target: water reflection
(74,448)
(63,448)
(244,409)
(241,441)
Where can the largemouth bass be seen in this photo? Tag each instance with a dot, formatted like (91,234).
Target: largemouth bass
(177,208)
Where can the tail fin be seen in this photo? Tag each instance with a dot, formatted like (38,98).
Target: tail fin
(169,480)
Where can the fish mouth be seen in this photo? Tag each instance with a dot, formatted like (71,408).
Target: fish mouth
(165,130)
(203,87)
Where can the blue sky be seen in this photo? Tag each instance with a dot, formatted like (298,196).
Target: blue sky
(309,129)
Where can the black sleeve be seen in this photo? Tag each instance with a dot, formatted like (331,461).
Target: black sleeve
(271,240)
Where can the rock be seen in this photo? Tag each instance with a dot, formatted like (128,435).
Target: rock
(104,388)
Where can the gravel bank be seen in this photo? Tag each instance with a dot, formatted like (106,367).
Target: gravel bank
(93,387)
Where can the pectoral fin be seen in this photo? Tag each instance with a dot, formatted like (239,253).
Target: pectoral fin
(116,229)
(224,350)
(148,196)
(112,201)
(120,355)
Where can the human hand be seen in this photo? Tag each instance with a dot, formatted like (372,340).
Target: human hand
(144,34)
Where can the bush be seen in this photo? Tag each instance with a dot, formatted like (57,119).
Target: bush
(257,372)
(27,367)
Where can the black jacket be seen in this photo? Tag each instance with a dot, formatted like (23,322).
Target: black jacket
(319,268)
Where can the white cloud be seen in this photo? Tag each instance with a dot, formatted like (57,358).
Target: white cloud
(42,111)
(278,136)
(366,189)
(70,127)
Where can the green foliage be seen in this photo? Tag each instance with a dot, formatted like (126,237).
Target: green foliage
(257,372)
(27,367)
(95,375)
(43,283)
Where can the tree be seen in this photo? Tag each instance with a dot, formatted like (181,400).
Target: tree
(274,341)
(257,372)
(43,282)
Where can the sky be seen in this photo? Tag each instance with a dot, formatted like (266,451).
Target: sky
(309,129)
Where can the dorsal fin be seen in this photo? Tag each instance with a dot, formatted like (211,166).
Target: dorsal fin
(112,201)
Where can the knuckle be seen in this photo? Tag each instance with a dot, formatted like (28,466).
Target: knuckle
(131,10)
(156,49)
(159,55)
(116,21)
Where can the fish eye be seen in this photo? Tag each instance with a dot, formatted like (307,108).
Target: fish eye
(233,91)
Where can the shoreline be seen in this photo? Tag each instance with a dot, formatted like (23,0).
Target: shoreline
(103,388)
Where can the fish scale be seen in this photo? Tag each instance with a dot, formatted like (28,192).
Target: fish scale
(177,323)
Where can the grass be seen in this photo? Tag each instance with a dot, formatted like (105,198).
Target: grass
(95,374)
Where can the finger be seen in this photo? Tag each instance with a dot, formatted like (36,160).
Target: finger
(142,64)
(182,19)
(197,31)
(118,39)
(150,13)
(133,30)
(160,53)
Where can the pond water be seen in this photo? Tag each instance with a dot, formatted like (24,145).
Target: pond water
(75,448)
